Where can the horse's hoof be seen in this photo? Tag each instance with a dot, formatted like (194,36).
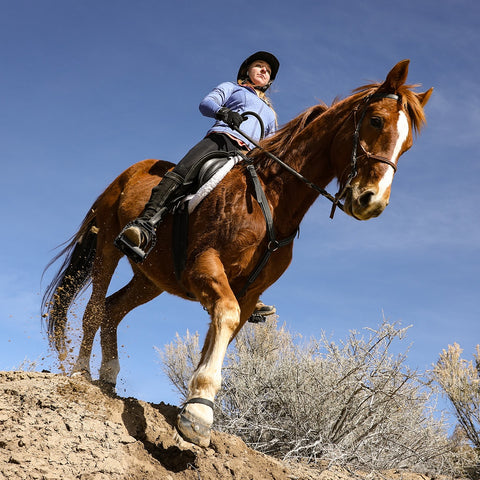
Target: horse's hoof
(107,387)
(192,429)
(85,374)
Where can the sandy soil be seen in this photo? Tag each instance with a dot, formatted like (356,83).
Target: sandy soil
(56,427)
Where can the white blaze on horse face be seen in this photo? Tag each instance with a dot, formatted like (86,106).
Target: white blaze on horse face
(402,129)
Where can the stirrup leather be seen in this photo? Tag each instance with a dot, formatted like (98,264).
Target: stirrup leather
(135,252)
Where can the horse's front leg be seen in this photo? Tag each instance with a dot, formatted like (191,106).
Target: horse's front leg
(210,285)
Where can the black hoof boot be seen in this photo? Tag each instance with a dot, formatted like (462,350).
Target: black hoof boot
(193,429)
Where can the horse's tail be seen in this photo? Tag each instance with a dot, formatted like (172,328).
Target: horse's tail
(73,276)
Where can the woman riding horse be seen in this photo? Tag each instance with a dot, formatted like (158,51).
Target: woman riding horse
(225,103)
(357,141)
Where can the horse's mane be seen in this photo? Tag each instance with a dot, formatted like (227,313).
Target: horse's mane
(410,101)
(280,142)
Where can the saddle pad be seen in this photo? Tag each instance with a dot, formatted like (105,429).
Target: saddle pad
(195,199)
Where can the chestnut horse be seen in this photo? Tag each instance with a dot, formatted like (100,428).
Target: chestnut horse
(357,140)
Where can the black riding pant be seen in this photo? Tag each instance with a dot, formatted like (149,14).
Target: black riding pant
(191,163)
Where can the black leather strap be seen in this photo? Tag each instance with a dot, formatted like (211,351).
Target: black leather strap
(180,240)
(202,401)
(273,243)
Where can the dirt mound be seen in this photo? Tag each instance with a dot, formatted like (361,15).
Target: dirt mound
(56,427)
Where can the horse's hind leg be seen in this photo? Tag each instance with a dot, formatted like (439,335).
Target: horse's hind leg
(138,291)
(105,264)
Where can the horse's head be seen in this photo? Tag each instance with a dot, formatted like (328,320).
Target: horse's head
(378,130)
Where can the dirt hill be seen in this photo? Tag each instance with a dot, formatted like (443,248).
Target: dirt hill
(56,427)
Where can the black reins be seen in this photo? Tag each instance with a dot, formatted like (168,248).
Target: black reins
(353,159)
(307,182)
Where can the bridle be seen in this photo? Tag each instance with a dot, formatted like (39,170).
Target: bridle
(356,143)
(358,119)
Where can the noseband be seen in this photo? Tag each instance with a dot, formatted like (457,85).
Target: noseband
(356,142)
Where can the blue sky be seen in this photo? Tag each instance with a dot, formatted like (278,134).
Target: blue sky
(89,88)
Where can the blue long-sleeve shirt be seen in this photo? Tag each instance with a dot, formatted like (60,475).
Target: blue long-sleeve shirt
(240,99)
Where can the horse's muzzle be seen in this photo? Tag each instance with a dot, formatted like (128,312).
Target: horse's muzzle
(364,203)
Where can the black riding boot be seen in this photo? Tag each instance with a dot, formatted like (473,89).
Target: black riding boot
(138,237)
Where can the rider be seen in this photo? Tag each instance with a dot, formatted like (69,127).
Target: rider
(226,103)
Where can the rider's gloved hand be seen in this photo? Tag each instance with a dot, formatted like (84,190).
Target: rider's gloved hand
(231,118)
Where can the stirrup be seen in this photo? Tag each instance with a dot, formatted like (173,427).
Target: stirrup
(257,318)
(135,252)
(264,310)
(261,312)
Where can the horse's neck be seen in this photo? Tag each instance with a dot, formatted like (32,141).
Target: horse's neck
(309,155)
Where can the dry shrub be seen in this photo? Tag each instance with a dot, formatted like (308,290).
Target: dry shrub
(459,380)
(351,403)
(179,360)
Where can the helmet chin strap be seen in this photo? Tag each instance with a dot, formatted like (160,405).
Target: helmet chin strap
(256,87)
(264,88)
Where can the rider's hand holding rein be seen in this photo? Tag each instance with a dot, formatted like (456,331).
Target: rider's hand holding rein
(231,118)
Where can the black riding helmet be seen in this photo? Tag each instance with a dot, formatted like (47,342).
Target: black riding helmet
(266,57)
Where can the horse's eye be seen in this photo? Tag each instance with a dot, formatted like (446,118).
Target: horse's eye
(376,122)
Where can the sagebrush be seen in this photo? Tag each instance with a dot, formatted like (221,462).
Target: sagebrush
(459,380)
(352,402)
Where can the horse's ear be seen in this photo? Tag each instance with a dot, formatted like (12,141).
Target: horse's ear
(397,76)
(424,97)
(313,113)
(310,115)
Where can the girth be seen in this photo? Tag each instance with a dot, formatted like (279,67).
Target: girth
(273,243)
(180,235)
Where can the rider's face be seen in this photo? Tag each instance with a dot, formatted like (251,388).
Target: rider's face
(259,73)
